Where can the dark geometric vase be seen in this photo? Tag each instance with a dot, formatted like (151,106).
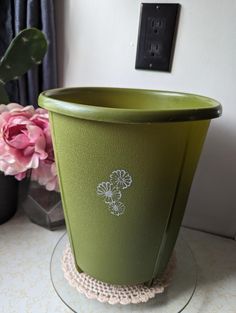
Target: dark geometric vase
(8,197)
(43,207)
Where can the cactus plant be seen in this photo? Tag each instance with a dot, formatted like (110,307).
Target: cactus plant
(26,50)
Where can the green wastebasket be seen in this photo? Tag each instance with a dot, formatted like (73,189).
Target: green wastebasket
(126,160)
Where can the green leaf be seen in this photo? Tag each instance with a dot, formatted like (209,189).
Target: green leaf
(26,49)
(3,95)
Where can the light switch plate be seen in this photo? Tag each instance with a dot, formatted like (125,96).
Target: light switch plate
(157,33)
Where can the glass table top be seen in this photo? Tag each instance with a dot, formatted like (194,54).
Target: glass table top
(175,298)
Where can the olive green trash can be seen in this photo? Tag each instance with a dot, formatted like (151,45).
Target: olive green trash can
(126,160)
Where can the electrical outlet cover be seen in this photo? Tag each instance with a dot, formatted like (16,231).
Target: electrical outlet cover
(157,33)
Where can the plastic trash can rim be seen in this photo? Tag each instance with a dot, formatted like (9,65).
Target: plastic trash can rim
(112,105)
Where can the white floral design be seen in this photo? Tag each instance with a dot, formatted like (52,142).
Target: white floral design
(116,208)
(121,179)
(109,192)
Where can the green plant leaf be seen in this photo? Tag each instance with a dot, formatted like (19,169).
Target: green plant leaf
(26,49)
(3,95)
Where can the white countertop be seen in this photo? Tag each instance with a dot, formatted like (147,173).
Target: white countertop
(25,285)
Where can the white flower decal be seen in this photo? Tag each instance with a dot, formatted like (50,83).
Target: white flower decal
(110,191)
(116,208)
(121,179)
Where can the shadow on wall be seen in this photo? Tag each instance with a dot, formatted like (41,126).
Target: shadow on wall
(212,202)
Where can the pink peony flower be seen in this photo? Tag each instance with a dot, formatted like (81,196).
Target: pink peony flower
(9,107)
(41,119)
(46,175)
(26,144)
(22,142)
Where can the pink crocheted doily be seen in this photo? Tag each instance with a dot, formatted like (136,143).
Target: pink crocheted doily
(113,294)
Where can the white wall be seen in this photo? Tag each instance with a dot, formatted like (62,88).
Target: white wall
(97,46)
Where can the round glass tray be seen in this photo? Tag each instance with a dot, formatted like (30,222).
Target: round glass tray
(174,299)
